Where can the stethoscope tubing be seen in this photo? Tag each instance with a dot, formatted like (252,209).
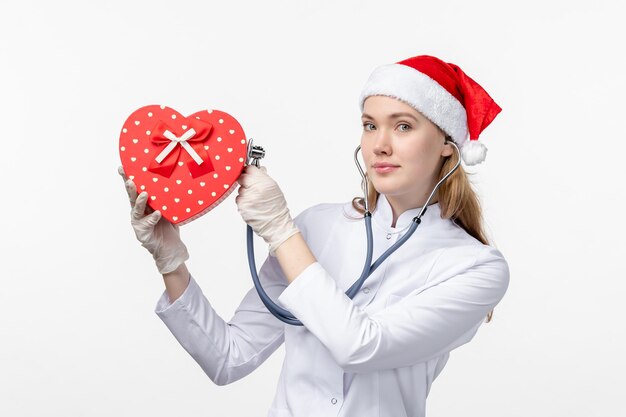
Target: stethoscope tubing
(368,268)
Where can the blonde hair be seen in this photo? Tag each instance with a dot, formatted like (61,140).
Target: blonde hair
(456,197)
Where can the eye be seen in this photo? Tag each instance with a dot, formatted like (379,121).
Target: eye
(366,124)
(407,127)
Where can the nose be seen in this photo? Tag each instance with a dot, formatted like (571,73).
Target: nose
(382,145)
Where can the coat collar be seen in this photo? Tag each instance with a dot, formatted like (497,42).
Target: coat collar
(383,215)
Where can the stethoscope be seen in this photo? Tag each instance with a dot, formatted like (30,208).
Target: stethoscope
(254,154)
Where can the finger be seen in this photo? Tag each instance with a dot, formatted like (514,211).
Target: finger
(256,170)
(244,180)
(250,177)
(147,209)
(240,194)
(120,170)
(257,173)
(153,218)
(251,169)
(140,206)
(131,189)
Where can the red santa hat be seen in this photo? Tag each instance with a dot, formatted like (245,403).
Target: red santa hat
(444,94)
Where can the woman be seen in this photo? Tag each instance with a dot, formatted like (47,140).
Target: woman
(378,353)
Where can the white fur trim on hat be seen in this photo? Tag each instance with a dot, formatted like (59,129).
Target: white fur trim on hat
(473,152)
(421,92)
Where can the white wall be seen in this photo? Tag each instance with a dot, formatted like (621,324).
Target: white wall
(78,334)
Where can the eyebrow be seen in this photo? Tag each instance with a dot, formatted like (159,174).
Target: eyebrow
(392,116)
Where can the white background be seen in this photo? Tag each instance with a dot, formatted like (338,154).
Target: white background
(79,336)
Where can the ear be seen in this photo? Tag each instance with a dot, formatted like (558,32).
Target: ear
(447,149)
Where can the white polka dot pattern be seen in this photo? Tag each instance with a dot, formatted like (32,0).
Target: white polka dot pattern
(180,197)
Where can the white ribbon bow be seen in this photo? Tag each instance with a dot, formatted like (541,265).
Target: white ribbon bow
(183,142)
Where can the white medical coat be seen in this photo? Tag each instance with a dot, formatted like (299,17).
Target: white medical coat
(374,355)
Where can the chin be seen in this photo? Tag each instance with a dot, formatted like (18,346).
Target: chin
(388,186)
(389,191)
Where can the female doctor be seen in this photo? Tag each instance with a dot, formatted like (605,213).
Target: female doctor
(378,353)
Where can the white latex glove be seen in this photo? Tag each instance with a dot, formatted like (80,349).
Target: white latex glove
(262,205)
(158,235)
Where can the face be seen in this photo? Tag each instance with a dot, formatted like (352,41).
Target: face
(403,151)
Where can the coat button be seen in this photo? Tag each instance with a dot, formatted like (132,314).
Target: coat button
(388,236)
(366,290)
(333,400)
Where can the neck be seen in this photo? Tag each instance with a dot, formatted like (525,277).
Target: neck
(399,206)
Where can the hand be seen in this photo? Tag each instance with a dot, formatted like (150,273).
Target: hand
(158,235)
(262,205)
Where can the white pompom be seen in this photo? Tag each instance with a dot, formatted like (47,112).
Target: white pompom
(473,152)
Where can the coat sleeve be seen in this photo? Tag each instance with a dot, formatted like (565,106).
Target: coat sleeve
(227,351)
(420,327)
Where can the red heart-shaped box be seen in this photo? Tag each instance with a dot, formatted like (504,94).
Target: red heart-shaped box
(188,165)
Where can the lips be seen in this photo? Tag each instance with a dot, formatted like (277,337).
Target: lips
(384,167)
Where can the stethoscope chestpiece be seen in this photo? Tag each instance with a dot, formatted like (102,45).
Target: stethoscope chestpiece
(255,153)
